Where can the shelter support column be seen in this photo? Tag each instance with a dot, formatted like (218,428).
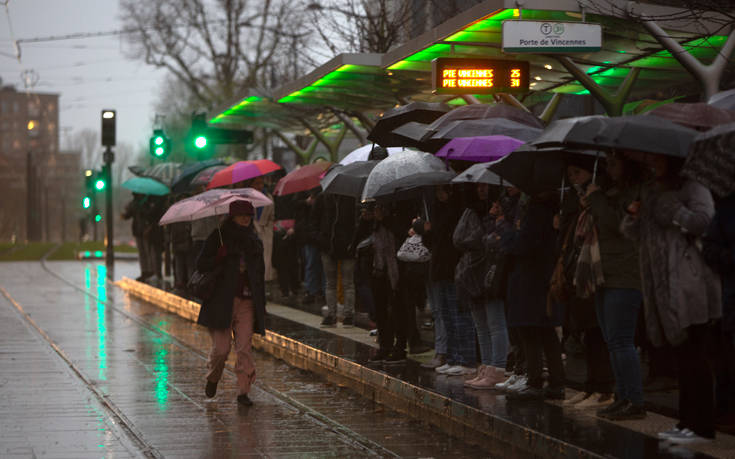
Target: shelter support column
(708,76)
(613,103)
(349,124)
(551,107)
(333,145)
(304,153)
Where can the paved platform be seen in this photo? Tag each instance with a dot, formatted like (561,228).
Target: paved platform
(526,428)
(86,370)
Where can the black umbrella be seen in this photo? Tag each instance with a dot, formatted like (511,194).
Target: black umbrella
(479,173)
(424,112)
(476,128)
(413,133)
(646,134)
(532,170)
(580,131)
(181,184)
(711,160)
(723,99)
(411,186)
(483,111)
(348,180)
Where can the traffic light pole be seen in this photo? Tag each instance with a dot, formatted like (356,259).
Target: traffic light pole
(109,158)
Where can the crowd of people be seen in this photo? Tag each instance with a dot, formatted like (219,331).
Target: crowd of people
(633,259)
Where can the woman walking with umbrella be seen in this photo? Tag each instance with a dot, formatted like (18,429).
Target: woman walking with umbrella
(237,302)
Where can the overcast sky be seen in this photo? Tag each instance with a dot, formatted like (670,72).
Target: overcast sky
(88,74)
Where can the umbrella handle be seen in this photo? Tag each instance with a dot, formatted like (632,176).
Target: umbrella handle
(594,170)
(426,208)
(561,198)
(221,242)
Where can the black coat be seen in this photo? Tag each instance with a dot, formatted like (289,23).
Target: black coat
(532,255)
(336,220)
(216,312)
(719,252)
(444,256)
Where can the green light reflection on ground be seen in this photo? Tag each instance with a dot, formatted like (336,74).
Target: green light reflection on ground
(161,370)
(101,325)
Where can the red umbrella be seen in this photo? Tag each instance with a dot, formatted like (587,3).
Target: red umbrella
(242,170)
(302,179)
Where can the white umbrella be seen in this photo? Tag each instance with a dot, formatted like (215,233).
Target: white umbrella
(362,153)
(399,166)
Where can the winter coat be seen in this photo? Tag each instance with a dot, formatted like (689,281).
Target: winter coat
(438,240)
(532,255)
(619,254)
(181,237)
(135,210)
(216,312)
(305,228)
(336,220)
(719,252)
(679,288)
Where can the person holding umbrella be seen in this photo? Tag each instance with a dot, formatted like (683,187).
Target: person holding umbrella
(681,293)
(236,306)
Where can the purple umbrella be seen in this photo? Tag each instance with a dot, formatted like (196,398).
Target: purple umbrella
(479,149)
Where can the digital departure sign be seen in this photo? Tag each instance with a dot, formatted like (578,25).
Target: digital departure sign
(456,75)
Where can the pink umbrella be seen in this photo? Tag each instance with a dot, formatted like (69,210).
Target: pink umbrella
(212,202)
(302,179)
(242,170)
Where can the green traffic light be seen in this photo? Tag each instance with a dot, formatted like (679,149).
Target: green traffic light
(159,151)
(86,202)
(98,218)
(99,184)
(158,140)
(200,141)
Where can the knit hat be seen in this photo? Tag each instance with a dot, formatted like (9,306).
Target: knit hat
(241,207)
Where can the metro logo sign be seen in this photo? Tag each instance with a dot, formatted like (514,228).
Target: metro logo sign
(478,76)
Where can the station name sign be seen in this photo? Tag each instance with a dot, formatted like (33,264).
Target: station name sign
(456,75)
(551,37)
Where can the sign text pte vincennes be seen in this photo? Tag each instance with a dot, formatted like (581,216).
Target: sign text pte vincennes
(456,75)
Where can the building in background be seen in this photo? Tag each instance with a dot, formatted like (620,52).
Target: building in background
(40,187)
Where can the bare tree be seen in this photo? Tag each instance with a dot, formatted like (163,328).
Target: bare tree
(217,49)
(87,142)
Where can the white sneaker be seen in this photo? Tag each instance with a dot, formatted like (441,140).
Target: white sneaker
(518,385)
(508,382)
(459,370)
(442,368)
(669,433)
(687,436)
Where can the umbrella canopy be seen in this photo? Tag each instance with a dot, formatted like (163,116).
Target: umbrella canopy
(188,172)
(411,186)
(242,170)
(533,171)
(572,132)
(146,185)
(209,203)
(696,116)
(424,112)
(164,172)
(483,111)
(413,133)
(711,160)
(646,134)
(479,149)
(202,178)
(397,166)
(347,180)
(723,99)
(301,179)
(362,153)
(479,173)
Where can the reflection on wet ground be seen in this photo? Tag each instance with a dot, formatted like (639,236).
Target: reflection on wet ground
(150,366)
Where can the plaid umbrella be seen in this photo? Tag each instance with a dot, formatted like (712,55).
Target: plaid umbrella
(164,172)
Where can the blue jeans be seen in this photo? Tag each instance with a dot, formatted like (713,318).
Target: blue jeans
(313,271)
(617,313)
(438,300)
(458,324)
(347,267)
(492,332)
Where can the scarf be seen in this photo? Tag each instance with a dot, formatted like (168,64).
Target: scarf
(384,259)
(588,272)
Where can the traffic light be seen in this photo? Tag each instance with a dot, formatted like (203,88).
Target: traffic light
(99,182)
(159,145)
(108,128)
(202,139)
(86,202)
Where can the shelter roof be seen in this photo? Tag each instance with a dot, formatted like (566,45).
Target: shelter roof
(375,82)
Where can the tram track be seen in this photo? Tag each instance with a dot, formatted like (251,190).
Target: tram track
(346,435)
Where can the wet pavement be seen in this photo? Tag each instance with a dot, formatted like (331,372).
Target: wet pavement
(103,374)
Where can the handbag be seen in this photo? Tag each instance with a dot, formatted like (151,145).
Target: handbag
(202,284)
(413,250)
